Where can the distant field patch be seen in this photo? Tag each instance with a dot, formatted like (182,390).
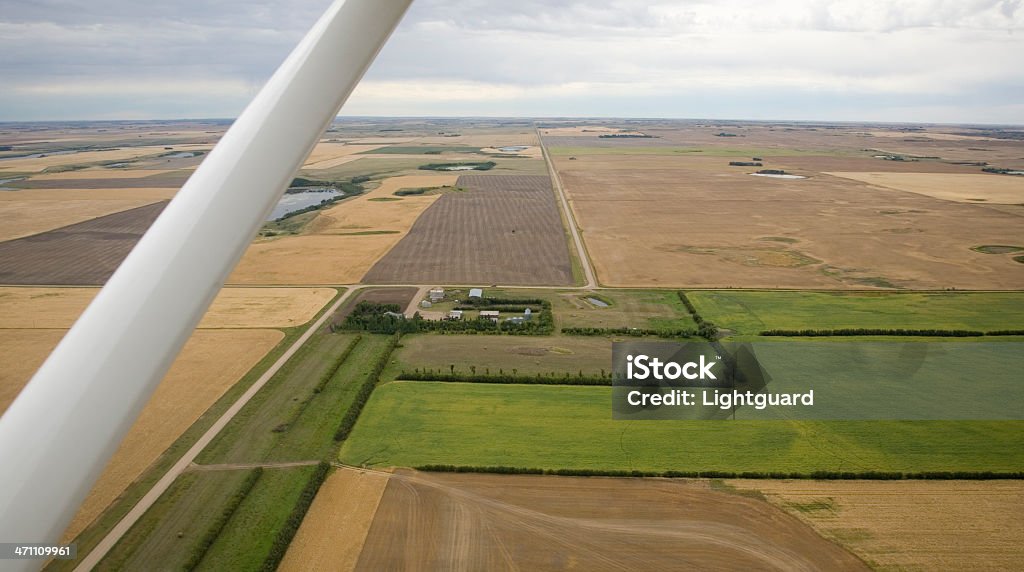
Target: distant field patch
(342,242)
(956,524)
(422,150)
(28,217)
(660,221)
(418,423)
(958,187)
(332,534)
(748,313)
(505,229)
(85,253)
(39,307)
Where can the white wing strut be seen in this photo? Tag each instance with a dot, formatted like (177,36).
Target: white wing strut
(58,435)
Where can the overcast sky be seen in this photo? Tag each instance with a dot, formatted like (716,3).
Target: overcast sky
(856,60)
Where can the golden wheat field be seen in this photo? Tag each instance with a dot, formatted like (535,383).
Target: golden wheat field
(911,525)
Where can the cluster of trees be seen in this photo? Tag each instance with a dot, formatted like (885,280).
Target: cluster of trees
(890,332)
(626,136)
(349,187)
(206,541)
(291,526)
(374,317)
(1000,171)
(705,329)
(637,332)
(476,165)
(816,475)
(349,420)
(551,378)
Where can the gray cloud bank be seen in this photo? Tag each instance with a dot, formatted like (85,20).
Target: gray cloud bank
(916,60)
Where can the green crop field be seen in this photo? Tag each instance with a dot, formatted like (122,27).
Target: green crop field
(264,509)
(288,420)
(418,423)
(748,313)
(189,508)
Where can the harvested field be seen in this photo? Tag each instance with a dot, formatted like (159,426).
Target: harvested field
(28,217)
(38,164)
(342,242)
(23,352)
(363,214)
(99,173)
(489,522)
(210,363)
(989,188)
(166,179)
(911,525)
(149,194)
(505,229)
(311,259)
(332,534)
(85,253)
(326,150)
(695,221)
(233,308)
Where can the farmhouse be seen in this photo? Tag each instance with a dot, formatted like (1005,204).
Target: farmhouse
(476,293)
(425,304)
(455,315)
(489,315)
(436,294)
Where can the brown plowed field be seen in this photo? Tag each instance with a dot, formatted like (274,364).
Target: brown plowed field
(506,229)
(664,221)
(86,253)
(503,522)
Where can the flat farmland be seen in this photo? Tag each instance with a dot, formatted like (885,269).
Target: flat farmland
(411,424)
(504,229)
(39,164)
(97,180)
(959,187)
(86,253)
(342,242)
(39,307)
(652,220)
(910,525)
(210,363)
(749,313)
(28,217)
(528,355)
(529,522)
(326,152)
(332,534)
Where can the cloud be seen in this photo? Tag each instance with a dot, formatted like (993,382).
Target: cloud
(860,58)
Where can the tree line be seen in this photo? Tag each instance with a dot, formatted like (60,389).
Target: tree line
(635,332)
(217,526)
(374,317)
(936,333)
(812,475)
(551,378)
(291,526)
(352,415)
(705,329)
